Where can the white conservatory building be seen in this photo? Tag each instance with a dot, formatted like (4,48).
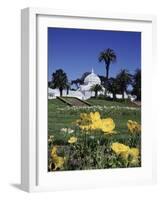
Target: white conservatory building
(84,91)
(89,81)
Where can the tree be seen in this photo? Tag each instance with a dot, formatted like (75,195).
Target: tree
(76,82)
(84,76)
(68,87)
(103,80)
(96,88)
(137,84)
(79,81)
(49,83)
(59,80)
(107,56)
(113,87)
(124,79)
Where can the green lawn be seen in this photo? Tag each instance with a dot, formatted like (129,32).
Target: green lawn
(62,116)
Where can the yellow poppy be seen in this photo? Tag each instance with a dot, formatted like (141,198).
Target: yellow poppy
(134,152)
(58,161)
(72,140)
(93,121)
(119,148)
(54,151)
(96,124)
(94,116)
(84,116)
(133,126)
(107,125)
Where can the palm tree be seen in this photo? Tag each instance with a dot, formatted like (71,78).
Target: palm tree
(113,87)
(103,80)
(124,79)
(77,82)
(59,80)
(49,83)
(96,88)
(68,87)
(84,76)
(137,84)
(107,56)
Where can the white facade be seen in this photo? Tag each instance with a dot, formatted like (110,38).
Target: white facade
(89,81)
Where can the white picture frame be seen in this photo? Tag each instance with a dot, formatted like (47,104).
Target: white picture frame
(33,177)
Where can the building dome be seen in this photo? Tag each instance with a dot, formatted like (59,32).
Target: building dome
(92,79)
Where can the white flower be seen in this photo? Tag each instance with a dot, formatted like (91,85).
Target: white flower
(67,130)
(64,130)
(97,108)
(70,130)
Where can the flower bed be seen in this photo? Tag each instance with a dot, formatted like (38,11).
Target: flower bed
(96,137)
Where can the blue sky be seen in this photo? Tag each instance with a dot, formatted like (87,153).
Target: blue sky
(76,51)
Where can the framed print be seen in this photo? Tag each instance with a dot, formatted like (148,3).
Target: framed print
(86,110)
